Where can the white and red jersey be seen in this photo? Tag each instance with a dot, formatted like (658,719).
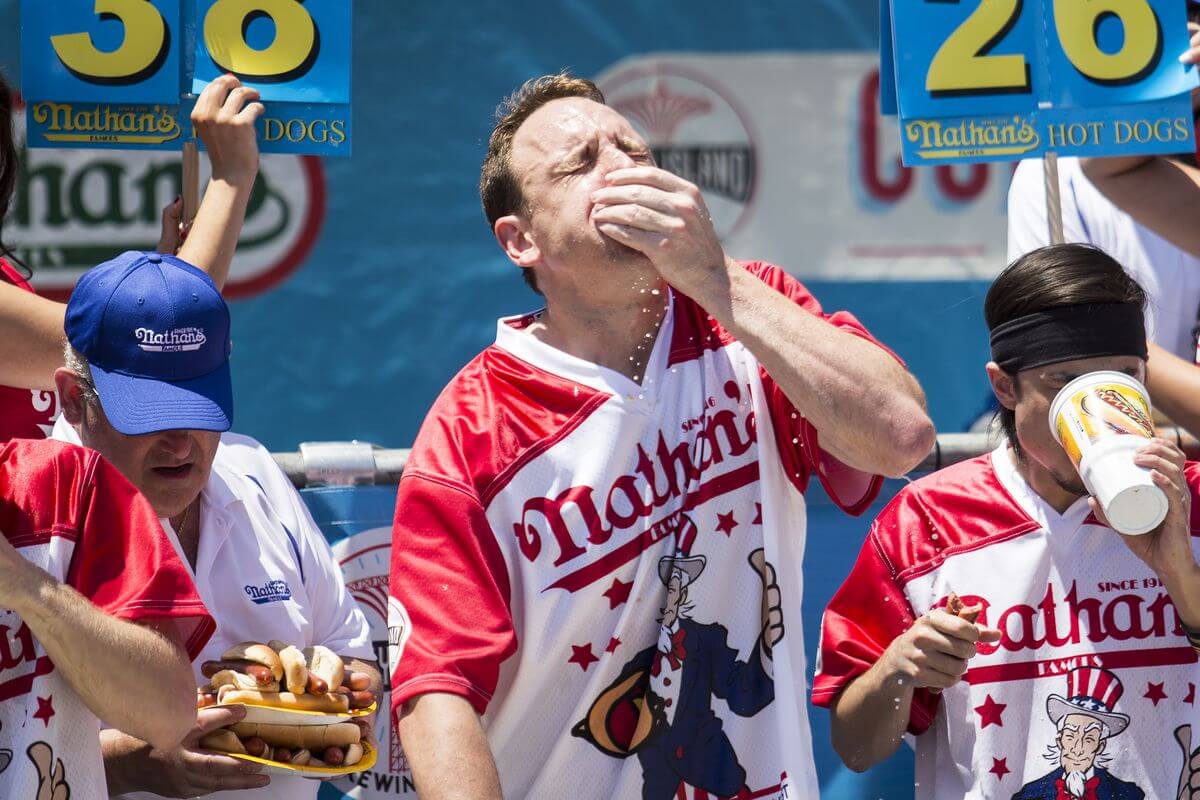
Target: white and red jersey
(71,513)
(1090,640)
(24,413)
(583,557)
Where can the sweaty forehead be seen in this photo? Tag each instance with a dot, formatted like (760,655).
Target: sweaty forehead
(561,125)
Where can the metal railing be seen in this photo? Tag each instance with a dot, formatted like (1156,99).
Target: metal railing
(362,463)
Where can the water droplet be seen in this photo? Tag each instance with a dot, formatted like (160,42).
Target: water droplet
(794,415)
(795,440)
(655,292)
(641,397)
(933,536)
(649,336)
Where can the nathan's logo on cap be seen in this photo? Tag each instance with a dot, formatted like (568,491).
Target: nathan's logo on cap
(173,341)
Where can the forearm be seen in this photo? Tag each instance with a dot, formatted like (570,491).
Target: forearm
(122,753)
(1183,587)
(131,677)
(1159,192)
(869,718)
(31,338)
(214,235)
(447,750)
(1174,386)
(868,410)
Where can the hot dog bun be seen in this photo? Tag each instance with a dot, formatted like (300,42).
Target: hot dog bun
(306,737)
(325,664)
(326,703)
(257,653)
(294,669)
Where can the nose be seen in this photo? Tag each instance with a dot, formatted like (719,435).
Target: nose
(616,158)
(177,443)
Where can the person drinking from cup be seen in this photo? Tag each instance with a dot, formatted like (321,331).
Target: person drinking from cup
(1052,588)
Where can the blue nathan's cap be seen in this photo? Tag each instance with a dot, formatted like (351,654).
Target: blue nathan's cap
(155,331)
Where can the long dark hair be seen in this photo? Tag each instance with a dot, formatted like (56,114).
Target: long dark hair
(1049,277)
(9,162)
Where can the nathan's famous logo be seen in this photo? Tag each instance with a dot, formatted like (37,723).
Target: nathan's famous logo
(270,592)
(694,130)
(173,341)
(1117,413)
(91,122)
(73,209)
(1002,136)
(19,660)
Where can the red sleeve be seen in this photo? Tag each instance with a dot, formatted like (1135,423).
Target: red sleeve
(868,612)
(796,438)
(124,562)
(450,620)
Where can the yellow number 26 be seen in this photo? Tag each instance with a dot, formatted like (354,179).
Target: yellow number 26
(964,63)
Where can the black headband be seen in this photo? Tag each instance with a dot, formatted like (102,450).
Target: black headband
(1066,333)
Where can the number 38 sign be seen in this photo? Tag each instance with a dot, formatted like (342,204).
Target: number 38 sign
(997,80)
(117,73)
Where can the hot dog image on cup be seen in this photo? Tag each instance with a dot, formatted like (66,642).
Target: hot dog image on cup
(1101,419)
(304,711)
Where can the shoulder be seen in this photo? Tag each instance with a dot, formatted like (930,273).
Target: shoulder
(960,508)
(44,483)
(247,457)
(494,415)
(1125,790)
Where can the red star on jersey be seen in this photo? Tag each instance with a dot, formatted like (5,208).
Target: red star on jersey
(618,593)
(999,768)
(990,713)
(582,655)
(613,644)
(1154,692)
(757,514)
(726,523)
(45,710)
(1191,695)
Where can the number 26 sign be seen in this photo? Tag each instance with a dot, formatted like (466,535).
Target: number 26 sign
(997,80)
(119,73)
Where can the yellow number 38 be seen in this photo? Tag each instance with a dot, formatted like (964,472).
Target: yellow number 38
(964,64)
(146,40)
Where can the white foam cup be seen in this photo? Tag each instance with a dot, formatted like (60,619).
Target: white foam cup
(1101,419)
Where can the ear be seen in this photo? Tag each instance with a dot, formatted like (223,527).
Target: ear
(1004,386)
(70,395)
(516,240)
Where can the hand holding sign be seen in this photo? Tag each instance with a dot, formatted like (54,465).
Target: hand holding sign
(1189,777)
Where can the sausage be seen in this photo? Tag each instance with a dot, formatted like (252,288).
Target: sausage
(262,675)
(282,754)
(358,681)
(317,685)
(334,756)
(205,699)
(255,746)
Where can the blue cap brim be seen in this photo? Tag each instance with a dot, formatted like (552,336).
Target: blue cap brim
(136,406)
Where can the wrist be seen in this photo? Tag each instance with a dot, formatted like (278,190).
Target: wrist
(716,289)
(239,181)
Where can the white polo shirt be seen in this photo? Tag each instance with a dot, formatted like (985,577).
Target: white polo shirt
(265,571)
(1170,276)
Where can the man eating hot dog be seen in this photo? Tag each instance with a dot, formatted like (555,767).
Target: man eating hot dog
(147,384)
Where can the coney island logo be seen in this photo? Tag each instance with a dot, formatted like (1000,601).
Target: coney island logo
(695,130)
(98,123)
(173,341)
(998,136)
(74,209)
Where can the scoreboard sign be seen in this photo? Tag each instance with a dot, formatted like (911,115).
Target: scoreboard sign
(999,80)
(122,73)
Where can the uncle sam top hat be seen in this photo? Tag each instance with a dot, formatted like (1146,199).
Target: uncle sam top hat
(1093,691)
(155,332)
(689,566)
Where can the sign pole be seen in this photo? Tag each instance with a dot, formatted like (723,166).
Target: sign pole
(191,181)
(1053,198)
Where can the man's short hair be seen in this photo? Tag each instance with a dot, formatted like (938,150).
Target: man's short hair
(499,187)
(1053,276)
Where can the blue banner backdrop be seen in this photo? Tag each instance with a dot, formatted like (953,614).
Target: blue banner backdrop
(357,521)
